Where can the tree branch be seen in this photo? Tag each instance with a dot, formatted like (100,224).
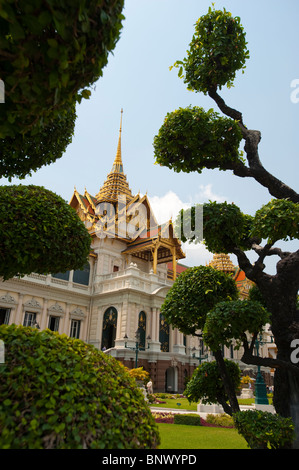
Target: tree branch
(249,359)
(267,250)
(256,170)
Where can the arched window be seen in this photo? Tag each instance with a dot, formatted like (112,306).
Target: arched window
(109,328)
(164,334)
(142,329)
(81,276)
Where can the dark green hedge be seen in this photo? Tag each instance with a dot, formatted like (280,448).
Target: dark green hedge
(188,419)
(61,393)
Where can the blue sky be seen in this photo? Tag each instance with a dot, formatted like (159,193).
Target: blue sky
(137,78)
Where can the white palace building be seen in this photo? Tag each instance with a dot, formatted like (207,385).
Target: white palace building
(114,303)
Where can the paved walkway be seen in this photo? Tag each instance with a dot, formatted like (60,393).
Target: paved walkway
(157,409)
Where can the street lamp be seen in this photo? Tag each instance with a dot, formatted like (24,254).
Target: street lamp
(260,386)
(200,357)
(137,345)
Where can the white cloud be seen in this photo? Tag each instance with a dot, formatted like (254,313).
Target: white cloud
(168,206)
(206,194)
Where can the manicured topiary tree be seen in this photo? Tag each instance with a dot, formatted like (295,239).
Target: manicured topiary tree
(51,54)
(206,384)
(39,232)
(23,154)
(61,393)
(194,140)
(187,304)
(194,293)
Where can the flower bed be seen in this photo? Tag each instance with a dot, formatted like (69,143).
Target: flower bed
(165,417)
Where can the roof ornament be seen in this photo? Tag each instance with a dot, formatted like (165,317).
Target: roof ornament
(116,185)
(118,165)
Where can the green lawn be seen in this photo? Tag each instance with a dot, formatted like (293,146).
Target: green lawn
(185,405)
(179,436)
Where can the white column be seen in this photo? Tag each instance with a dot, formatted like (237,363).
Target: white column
(19,312)
(178,346)
(155,343)
(44,318)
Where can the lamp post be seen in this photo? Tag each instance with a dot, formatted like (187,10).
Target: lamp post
(137,346)
(200,357)
(260,386)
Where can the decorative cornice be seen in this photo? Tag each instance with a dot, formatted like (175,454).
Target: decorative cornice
(77,314)
(56,309)
(7,300)
(33,305)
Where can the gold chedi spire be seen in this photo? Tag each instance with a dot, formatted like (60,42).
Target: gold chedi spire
(116,184)
(118,165)
(222,262)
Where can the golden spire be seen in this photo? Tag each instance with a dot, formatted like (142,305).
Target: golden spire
(117,165)
(116,183)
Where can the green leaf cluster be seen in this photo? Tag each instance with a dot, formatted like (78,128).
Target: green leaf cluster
(24,153)
(194,293)
(264,430)
(206,383)
(39,232)
(61,393)
(230,321)
(217,50)
(277,220)
(192,139)
(224,226)
(51,53)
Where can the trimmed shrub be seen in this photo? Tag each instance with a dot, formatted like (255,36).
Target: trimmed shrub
(188,419)
(264,430)
(222,420)
(61,393)
(39,233)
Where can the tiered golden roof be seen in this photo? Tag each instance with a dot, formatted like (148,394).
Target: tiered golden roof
(128,218)
(222,262)
(116,184)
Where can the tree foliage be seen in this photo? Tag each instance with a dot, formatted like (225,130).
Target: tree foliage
(217,50)
(50,54)
(39,232)
(61,393)
(206,384)
(24,153)
(277,220)
(265,430)
(230,323)
(192,139)
(194,293)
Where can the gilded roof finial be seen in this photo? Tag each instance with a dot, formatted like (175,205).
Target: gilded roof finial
(118,165)
(116,183)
